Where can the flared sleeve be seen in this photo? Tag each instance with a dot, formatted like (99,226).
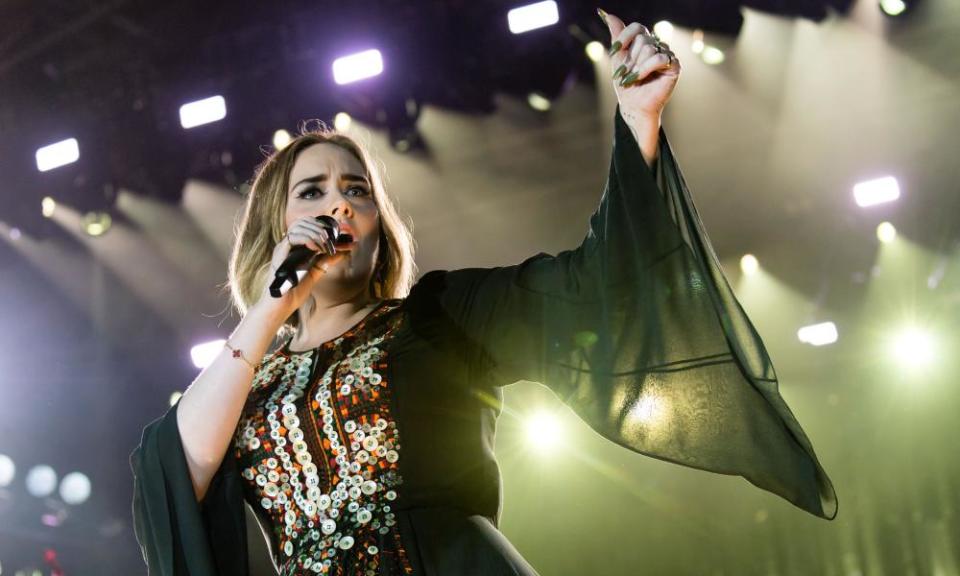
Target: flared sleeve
(639,332)
(179,536)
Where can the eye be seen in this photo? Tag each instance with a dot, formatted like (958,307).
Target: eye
(314,190)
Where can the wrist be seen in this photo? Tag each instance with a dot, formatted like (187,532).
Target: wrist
(640,120)
(646,131)
(268,313)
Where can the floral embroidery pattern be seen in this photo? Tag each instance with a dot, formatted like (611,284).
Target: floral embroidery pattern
(320,455)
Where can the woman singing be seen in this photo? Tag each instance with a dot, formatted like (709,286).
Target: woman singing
(364,442)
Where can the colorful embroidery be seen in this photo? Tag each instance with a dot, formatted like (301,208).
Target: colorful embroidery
(320,455)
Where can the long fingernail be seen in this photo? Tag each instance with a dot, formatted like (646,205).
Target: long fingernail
(620,70)
(629,78)
(603,15)
(616,46)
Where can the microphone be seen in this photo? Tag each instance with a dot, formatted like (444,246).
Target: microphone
(301,258)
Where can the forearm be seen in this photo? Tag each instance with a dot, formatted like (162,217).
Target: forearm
(646,131)
(209,410)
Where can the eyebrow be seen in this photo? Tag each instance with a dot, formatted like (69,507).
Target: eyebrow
(323,178)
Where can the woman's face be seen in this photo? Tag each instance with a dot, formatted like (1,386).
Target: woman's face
(326,179)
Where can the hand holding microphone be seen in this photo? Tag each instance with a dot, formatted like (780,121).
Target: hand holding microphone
(307,241)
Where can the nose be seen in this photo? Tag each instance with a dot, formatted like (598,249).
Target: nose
(342,207)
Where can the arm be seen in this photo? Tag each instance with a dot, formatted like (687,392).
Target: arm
(210,408)
(638,331)
(646,132)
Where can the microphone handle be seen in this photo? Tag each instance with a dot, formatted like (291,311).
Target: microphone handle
(295,265)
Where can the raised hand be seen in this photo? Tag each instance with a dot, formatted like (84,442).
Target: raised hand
(645,70)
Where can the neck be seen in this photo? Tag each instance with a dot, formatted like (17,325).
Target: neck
(326,320)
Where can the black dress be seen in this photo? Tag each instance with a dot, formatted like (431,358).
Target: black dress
(373,453)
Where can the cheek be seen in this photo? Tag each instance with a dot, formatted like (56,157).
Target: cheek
(293,213)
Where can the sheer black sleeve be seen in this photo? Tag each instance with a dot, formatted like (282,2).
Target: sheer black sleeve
(639,332)
(179,536)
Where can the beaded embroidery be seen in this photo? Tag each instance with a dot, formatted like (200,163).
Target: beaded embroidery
(326,486)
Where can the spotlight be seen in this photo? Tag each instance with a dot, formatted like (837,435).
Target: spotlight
(712,55)
(818,334)
(354,67)
(663,30)
(543,431)
(696,46)
(175,396)
(342,121)
(41,480)
(75,488)
(538,102)
(96,223)
(595,51)
(58,154)
(48,205)
(533,16)
(893,7)
(203,354)
(749,265)
(877,191)
(280,139)
(886,233)
(649,411)
(913,348)
(7,470)
(202,112)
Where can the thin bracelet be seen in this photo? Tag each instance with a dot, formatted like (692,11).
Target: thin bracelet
(239,354)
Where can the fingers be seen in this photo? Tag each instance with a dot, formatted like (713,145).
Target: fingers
(310,233)
(634,52)
(648,66)
(644,59)
(625,37)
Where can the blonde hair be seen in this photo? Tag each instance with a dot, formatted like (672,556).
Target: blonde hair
(263,226)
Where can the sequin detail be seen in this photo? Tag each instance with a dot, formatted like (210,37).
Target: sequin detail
(320,455)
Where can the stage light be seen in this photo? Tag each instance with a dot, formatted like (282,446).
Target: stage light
(595,51)
(7,470)
(41,481)
(96,223)
(280,139)
(877,191)
(48,205)
(202,112)
(696,45)
(543,431)
(75,488)
(354,67)
(663,30)
(533,16)
(818,334)
(886,233)
(538,102)
(749,264)
(58,154)
(51,520)
(712,55)
(913,348)
(648,411)
(175,396)
(204,354)
(342,121)
(892,7)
